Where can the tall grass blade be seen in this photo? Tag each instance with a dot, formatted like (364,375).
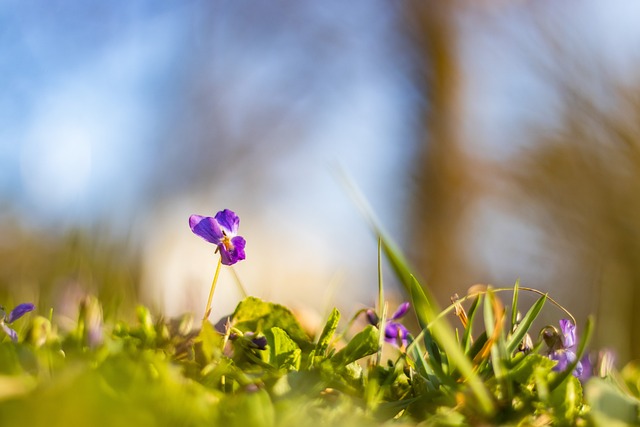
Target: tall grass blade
(514,305)
(424,305)
(467,337)
(521,330)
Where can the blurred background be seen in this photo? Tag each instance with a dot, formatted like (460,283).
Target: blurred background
(495,140)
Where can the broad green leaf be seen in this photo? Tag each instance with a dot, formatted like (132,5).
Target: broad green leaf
(253,408)
(610,406)
(523,371)
(327,333)
(566,400)
(284,353)
(364,343)
(209,341)
(630,374)
(255,315)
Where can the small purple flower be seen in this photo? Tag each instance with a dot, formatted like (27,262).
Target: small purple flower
(222,231)
(562,347)
(394,332)
(568,333)
(19,311)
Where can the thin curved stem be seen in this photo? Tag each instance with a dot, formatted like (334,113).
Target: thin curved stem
(522,288)
(207,310)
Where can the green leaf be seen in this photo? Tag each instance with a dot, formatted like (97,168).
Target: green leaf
(566,400)
(327,333)
(468,332)
(523,371)
(255,315)
(284,353)
(253,409)
(521,330)
(364,343)
(514,304)
(498,354)
(209,342)
(610,406)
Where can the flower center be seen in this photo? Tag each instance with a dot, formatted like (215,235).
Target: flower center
(226,241)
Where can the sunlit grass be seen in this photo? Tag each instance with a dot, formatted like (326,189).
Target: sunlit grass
(478,361)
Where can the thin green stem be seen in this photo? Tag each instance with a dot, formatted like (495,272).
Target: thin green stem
(382,305)
(243,291)
(207,310)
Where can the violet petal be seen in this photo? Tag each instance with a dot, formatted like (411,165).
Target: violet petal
(239,243)
(228,220)
(568,333)
(401,311)
(19,311)
(394,330)
(235,254)
(206,227)
(13,334)
(372,317)
(227,257)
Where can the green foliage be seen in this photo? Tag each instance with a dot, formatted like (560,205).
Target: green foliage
(157,372)
(365,343)
(262,369)
(252,314)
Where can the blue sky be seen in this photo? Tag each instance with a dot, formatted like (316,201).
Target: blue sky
(91,91)
(109,107)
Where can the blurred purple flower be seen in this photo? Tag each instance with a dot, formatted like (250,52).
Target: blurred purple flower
(394,332)
(19,311)
(222,231)
(259,342)
(598,365)
(562,347)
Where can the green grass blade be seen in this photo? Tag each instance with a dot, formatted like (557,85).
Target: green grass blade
(425,306)
(471,315)
(492,326)
(514,305)
(441,331)
(522,329)
(382,306)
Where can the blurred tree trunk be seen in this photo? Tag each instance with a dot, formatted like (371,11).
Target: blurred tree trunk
(442,182)
(584,181)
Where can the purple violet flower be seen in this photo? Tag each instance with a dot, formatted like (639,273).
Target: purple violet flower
(222,231)
(19,311)
(394,332)
(562,347)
